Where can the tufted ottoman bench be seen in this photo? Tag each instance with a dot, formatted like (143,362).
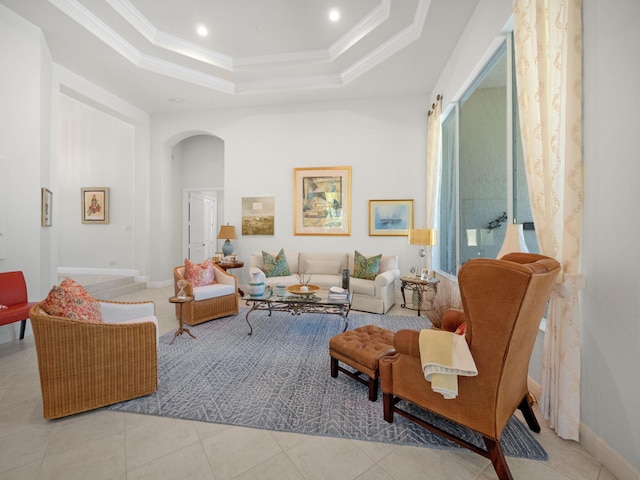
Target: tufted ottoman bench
(361,348)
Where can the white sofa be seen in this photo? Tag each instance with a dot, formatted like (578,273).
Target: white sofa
(375,296)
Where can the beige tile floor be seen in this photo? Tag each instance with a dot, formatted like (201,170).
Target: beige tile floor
(115,446)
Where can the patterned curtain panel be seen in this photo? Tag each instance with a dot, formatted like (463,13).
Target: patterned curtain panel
(548,50)
(433,162)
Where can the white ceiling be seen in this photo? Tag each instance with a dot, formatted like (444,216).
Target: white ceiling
(257,52)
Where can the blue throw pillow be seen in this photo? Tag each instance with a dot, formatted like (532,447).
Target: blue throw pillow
(275,267)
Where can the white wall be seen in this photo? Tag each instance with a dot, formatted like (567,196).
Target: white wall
(25,144)
(96,150)
(383,140)
(610,302)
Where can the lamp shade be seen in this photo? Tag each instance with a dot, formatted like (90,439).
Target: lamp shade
(513,240)
(228,232)
(422,236)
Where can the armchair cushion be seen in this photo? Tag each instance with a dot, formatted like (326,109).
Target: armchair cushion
(199,274)
(212,291)
(71,300)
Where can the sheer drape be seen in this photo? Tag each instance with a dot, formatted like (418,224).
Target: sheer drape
(548,50)
(433,162)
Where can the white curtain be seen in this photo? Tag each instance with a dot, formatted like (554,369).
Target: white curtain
(433,162)
(548,51)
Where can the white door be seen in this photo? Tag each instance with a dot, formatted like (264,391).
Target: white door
(201,226)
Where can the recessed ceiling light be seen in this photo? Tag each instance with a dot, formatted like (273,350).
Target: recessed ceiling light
(202,30)
(176,100)
(334,15)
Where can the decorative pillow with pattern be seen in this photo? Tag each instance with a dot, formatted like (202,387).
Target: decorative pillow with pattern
(71,300)
(199,275)
(366,268)
(275,267)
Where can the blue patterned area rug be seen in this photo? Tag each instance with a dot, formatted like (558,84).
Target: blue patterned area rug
(279,379)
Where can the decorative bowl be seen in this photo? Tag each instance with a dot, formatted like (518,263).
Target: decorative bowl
(296,289)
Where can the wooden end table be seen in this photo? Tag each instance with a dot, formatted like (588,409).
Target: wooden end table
(181,301)
(422,287)
(229,265)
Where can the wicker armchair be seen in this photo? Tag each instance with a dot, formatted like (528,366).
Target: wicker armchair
(202,309)
(85,365)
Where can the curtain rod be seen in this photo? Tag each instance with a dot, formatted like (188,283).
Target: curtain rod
(433,105)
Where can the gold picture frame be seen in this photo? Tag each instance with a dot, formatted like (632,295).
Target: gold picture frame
(390,217)
(322,201)
(95,205)
(46,207)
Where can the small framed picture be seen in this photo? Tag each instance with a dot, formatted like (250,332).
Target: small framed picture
(412,272)
(425,274)
(95,205)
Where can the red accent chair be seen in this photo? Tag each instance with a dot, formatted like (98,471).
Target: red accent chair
(13,295)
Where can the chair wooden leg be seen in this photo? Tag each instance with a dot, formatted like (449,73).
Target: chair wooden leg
(528,414)
(387,405)
(497,459)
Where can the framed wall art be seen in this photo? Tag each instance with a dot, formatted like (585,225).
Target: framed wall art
(95,205)
(46,207)
(322,201)
(258,215)
(390,217)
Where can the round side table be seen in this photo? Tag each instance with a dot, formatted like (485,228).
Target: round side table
(181,329)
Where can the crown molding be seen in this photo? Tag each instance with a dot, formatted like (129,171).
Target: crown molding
(369,23)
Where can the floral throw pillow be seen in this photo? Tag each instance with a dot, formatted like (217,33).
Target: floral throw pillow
(199,275)
(275,267)
(71,300)
(366,268)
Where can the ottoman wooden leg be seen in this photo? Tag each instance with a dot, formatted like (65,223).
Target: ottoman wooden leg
(373,389)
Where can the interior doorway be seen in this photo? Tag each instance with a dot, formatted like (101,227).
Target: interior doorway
(201,225)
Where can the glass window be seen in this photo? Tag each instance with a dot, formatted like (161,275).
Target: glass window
(483,178)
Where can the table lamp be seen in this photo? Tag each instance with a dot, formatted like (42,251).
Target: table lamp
(426,237)
(228,232)
(513,240)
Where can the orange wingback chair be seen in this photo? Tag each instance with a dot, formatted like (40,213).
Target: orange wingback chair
(503,302)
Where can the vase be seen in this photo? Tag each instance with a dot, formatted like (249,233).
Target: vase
(256,285)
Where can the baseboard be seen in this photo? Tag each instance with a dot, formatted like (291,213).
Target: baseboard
(127,272)
(161,284)
(607,456)
(601,450)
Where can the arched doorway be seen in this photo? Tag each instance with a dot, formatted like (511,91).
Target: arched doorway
(197,173)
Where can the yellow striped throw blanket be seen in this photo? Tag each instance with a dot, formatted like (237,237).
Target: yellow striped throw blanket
(444,356)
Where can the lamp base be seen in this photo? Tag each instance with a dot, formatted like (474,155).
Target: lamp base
(227,248)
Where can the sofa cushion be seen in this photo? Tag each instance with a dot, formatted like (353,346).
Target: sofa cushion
(199,274)
(206,292)
(366,268)
(322,267)
(275,266)
(71,300)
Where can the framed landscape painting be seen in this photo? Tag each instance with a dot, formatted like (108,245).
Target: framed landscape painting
(95,205)
(258,215)
(390,217)
(322,201)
